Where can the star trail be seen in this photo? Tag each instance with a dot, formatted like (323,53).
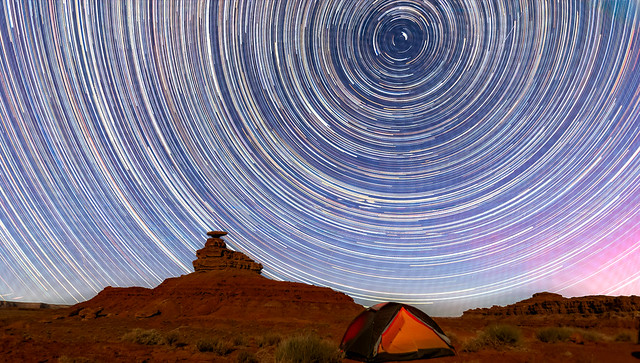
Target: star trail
(448,154)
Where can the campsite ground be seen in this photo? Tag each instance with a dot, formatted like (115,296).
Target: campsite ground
(587,345)
(45,335)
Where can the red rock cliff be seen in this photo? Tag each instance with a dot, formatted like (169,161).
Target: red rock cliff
(546,303)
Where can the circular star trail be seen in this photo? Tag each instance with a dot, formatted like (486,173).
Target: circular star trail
(448,154)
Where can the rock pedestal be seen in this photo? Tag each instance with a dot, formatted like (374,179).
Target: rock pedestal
(216,256)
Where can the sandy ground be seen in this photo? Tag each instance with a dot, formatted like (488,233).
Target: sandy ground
(34,335)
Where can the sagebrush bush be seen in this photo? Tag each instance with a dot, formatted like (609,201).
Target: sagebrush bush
(496,337)
(624,336)
(244,356)
(223,347)
(307,349)
(239,341)
(473,345)
(503,335)
(553,334)
(269,339)
(204,345)
(591,336)
(172,338)
(214,345)
(144,336)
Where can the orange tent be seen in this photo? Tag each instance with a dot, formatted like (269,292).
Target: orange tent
(393,332)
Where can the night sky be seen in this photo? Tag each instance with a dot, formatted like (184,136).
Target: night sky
(448,154)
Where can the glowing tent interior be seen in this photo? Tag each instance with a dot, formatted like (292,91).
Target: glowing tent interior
(394,332)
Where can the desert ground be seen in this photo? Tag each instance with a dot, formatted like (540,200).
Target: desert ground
(226,311)
(86,333)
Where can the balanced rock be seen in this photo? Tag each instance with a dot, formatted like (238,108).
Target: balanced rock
(216,256)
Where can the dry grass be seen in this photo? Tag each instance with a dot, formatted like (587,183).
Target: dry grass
(269,339)
(500,336)
(173,338)
(239,341)
(244,356)
(624,336)
(144,337)
(307,348)
(215,345)
(554,334)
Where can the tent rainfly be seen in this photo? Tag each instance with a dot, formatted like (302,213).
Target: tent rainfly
(394,332)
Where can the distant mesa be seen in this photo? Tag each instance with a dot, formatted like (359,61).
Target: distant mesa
(546,303)
(29,305)
(216,256)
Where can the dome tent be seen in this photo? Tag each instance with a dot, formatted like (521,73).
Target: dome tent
(394,332)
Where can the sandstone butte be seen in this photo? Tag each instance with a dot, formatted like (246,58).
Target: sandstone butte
(227,285)
(586,311)
(216,256)
(546,303)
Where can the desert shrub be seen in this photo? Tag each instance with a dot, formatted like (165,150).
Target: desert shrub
(496,337)
(307,349)
(503,335)
(214,345)
(624,336)
(173,338)
(239,341)
(553,334)
(222,347)
(591,336)
(269,339)
(144,337)
(245,356)
(204,345)
(473,345)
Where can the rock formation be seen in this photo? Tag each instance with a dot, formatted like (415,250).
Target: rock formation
(29,305)
(546,303)
(548,309)
(224,286)
(216,256)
